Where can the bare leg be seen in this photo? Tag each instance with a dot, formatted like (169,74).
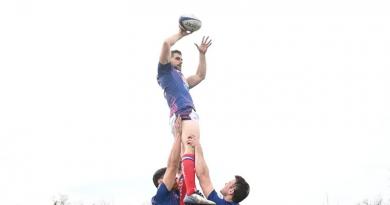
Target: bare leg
(190,128)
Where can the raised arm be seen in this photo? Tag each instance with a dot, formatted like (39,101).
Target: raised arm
(174,158)
(168,43)
(202,171)
(201,71)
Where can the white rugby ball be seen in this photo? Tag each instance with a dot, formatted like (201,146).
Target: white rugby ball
(190,22)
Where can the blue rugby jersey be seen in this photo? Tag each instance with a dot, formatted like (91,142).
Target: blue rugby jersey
(165,197)
(215,198)
(176,89)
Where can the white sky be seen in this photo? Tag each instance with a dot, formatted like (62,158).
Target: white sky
(294,100)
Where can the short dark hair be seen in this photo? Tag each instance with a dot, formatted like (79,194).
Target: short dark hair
(158,174)
(241,189)
(175,51)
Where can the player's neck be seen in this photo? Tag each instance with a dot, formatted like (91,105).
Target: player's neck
(228,198)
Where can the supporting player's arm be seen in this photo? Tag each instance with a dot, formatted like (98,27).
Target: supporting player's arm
(200,74)
(202,171)
(168,43)
(174,158)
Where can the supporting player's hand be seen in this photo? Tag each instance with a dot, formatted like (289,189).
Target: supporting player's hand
(193,141)
(205,44)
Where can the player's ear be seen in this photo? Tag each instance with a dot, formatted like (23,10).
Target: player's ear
(231,191)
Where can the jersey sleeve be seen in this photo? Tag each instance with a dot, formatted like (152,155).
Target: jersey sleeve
(215,198)
(162,193)
(164,68)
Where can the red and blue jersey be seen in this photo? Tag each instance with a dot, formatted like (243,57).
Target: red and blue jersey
(176,89)
(165,197)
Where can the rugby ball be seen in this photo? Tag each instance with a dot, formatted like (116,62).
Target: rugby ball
(190,23)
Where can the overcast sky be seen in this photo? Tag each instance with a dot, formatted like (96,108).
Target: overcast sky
(296,98)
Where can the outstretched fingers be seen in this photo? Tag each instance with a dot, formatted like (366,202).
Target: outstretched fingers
(205,44)
(197,46)
(209,43)
(206,41)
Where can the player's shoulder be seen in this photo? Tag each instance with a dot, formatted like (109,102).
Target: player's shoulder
(213,194)
(164,68)
(218,199)
(162,187)
(162,191)
(165,65)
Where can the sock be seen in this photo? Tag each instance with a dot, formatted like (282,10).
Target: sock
(188,161)
(182,188)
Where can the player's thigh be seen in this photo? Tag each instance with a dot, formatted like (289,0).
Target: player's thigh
(190,128)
